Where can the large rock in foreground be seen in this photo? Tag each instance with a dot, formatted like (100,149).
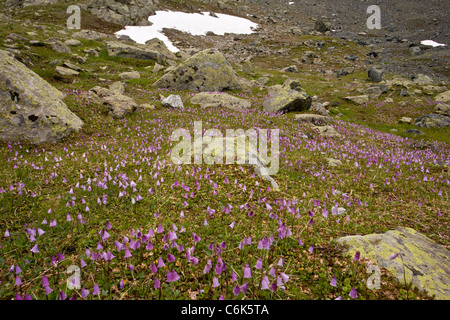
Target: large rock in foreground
(427,264)
(213,100)
(288,97)
(207,70)
(30,108)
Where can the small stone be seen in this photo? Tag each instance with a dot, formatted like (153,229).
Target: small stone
(292,69)
(66,71)
(414,131)
(129,75)
(173,101)
(362,99)
(415,51)
(72,43)
(405,120)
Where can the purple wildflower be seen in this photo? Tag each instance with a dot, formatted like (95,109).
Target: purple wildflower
(247,271)
(333,281)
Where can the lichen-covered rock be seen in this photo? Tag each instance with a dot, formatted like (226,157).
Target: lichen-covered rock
(211,100)
(205,71)
(433,121)
(358,99)
(158,45)
(443,97)
(443,109)
(119,105)
(286,98)
(134,51)
(426,263)
(327,131)
(30,108)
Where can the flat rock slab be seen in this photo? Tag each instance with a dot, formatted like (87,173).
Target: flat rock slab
(362,99)
(427,264)
(213,100)
(310,117)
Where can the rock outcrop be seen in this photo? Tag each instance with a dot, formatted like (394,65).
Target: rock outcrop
(30,108)
(131,12)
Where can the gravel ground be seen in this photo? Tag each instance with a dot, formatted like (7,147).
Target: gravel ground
(404,23)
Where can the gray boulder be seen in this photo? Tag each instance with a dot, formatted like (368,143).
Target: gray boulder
(119,105)
(322,25)
(292,69)
(327,131)
(375,74)
(433,121)
(136,51)
(66,71)
(415,51)
(30,108)
(205,71)
(286,98)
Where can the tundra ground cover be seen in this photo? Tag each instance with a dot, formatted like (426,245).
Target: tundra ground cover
(110,202)
(141,227)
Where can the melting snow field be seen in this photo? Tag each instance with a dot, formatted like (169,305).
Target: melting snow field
(432,43)
(193,23)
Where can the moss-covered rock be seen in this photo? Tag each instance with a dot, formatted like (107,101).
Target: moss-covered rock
(288,97)
(426,263)
(207,70)
(30,108)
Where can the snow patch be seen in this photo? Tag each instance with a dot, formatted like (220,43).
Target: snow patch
(432,43)
(193,23)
